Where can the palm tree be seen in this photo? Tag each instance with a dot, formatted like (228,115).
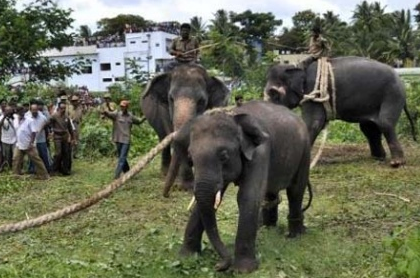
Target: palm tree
(227,50)
(198,28)
(370,31)
(85,33)
(403,38)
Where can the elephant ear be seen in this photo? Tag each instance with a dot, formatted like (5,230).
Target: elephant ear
(297,78)
(158,88)
(218,93)
(253,134)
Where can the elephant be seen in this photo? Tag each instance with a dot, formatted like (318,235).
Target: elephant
(366,92)
(262,148)
(171,99)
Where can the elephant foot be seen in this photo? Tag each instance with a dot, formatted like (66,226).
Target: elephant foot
(397,162)
(164,170)
(379,158)
(245,265)
(296,227)
(188,252)
(223,265)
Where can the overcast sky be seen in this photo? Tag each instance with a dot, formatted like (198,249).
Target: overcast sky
(90,11)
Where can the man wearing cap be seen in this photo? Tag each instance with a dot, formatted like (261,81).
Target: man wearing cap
(185,48)
(76,115)
(108,105)
(121,133)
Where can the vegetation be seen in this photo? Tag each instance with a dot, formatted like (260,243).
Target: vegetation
(25,34)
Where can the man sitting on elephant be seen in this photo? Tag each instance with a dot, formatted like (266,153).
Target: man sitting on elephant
(318,47)
(185,48)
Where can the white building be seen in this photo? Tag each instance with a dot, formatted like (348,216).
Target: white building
(109,60)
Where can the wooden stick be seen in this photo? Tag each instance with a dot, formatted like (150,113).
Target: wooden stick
(393,195)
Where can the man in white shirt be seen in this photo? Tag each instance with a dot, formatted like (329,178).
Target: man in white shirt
(8,126)
(26,135)
(41,137)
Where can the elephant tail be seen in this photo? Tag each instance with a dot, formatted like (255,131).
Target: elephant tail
(310,197)
(410,119)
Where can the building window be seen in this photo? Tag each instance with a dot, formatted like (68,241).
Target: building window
(107,79)
(87,70)
(144,41)
(119,79)
(132,42)
(118,64)
(105,67)
(157,45)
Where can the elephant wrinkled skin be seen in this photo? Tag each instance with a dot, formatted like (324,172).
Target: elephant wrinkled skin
(263,148)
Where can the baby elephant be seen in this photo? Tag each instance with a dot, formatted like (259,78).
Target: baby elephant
(260,147)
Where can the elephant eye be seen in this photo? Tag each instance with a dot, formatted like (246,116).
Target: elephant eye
(224,156)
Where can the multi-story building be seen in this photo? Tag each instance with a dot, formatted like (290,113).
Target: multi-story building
(110,60)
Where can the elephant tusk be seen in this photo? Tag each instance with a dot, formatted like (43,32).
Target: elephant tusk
(191,204)
(279,90)
(218,199)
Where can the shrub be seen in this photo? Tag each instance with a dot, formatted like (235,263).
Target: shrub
(403,254)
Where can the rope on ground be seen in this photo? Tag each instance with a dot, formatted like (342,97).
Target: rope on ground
(321,148)
(46,218)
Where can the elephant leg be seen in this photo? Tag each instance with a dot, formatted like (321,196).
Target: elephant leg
(187,177)
(245,260)
(166,160)
(397,154)
(270,209)
(373,134)
(295,217)
(315,118)
(193,234)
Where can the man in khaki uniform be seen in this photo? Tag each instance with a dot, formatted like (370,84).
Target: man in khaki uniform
(318,47)
(108,105)
(76,115)
(63,136)
(185,48)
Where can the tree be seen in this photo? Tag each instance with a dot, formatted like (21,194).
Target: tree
(198,28)
(370,31)
(116,25)
(255,29)
(85,33)
(402,38)
(25,34)
(227,50)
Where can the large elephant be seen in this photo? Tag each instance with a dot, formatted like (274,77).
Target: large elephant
(366,92)
(262,148)
(173,98)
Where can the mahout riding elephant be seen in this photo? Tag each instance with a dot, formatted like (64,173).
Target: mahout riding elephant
(366,92)
(262,148)
(173,98)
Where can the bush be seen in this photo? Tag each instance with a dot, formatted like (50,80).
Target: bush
(403,254)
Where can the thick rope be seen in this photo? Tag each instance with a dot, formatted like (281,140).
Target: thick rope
(320,94)
(46,218)
(321,148)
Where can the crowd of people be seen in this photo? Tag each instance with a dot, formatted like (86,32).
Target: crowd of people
(49,135)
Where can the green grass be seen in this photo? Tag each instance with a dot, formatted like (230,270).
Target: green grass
(137,233)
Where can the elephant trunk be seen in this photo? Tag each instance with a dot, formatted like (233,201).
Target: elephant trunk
(172,173)
(184,110)
(206,195)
